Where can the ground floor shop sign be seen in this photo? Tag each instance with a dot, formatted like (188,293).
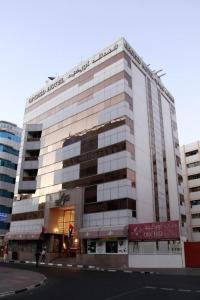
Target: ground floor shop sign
(168,230)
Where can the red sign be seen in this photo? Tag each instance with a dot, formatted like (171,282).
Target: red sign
(168,230)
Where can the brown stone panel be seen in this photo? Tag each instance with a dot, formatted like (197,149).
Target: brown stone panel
(117,204)
(32,215)
(101,178)
(118,147)
(99,129)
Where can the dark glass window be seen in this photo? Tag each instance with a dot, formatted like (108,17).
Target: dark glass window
(89,144)
(190,153)
(195,216)
(111,247)
(6,194)
(194,164)
(5,209)
(195,176)
(91,246)
(194,189)
(7,178)
(91,194)
(7,164)
(4,226)
(88,168)
(194,202)
(10,136)
(109,205)
(8,149)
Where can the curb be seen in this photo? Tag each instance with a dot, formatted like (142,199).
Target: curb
(85,267)
(28,288)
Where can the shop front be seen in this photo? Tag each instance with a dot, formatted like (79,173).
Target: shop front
(105,247)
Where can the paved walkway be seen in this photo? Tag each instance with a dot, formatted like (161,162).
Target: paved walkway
(15,280)
(164,271)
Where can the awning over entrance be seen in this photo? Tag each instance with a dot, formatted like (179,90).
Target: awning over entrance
(103,232)
(24,236)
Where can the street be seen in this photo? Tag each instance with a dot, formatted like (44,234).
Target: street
(84,284)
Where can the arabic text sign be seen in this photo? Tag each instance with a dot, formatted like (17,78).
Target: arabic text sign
(154,231)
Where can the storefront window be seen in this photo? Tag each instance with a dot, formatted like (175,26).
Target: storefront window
(91,246)
(111,247)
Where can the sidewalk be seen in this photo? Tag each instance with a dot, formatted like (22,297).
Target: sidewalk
(14,281)
(158,271)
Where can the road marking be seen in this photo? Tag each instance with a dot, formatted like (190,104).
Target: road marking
(150,287)
(183,290)
(68,265)
(91,267)
(50,264)
(167,289)
(128,271)
(123,294)
(111,270)
(59,265)
(197,291)
(79,266)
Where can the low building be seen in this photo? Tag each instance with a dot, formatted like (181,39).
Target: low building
(190,157)
(100,152)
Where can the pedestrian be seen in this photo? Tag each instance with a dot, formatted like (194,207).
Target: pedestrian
(37,257)
(43,258)
(5,253)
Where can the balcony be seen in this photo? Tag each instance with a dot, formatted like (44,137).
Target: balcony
(194,183)
(196,236)
(32,145)
(30,164)
(195,195)
(193,170)
(192,158)
(195,222)
(27,186)
(195,209)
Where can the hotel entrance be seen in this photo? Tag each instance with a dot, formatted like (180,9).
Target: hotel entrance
(63,232)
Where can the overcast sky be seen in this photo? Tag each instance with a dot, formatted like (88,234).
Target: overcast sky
(41,38)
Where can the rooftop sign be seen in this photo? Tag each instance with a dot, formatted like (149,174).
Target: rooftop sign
(73,73)
(83,67)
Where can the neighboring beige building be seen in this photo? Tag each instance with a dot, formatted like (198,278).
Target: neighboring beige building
(190,158)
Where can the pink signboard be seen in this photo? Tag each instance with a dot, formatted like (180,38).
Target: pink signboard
(168,230)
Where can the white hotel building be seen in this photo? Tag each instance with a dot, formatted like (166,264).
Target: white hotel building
(100,151)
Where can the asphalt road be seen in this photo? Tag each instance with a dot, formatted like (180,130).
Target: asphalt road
(95,285)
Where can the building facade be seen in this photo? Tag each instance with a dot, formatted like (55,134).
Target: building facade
(190,158)
(10,137)
(99,151)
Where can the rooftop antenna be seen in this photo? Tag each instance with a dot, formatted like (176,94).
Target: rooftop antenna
(162,75)
(159,71)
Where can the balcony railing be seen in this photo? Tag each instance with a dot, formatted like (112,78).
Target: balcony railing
(29,178)
(33,139)
(28,158)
